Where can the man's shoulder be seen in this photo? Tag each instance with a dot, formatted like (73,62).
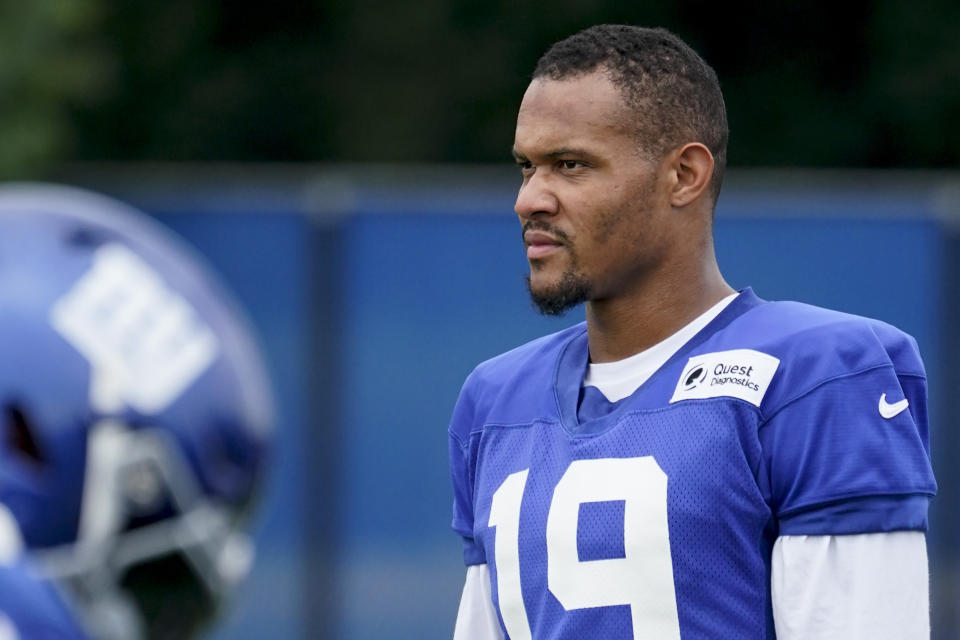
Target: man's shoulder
(797,329)
(814,345)
(515,386)
(532,358)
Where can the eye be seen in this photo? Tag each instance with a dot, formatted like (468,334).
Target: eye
(571,165)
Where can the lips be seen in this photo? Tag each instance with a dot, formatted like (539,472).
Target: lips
(540,244)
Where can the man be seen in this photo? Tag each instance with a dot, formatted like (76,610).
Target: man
(691,461)
(135,419)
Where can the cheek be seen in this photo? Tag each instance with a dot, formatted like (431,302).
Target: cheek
(616,222)
(613,220)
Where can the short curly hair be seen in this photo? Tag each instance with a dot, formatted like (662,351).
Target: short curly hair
(674,94)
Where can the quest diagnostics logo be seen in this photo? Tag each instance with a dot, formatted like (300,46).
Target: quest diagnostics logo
(739,373)
(694,375)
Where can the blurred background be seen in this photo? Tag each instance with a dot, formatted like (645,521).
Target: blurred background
(345,166)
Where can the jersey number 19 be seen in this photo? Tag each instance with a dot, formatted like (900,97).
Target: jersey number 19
(643,578)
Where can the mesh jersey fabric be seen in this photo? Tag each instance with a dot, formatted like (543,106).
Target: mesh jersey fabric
(814,456)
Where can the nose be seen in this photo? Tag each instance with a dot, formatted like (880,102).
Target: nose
(535,197)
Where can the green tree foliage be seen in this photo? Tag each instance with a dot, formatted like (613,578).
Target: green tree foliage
(913,94)
(863,83)
(49,63)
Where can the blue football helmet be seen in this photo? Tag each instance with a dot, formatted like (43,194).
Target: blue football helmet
(136,412)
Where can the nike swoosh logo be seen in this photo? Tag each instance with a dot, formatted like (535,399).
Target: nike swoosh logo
(888,410)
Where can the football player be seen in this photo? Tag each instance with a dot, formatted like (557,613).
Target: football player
(136,420)
(691,461)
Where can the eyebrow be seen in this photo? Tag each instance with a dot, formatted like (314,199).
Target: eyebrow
(556,153)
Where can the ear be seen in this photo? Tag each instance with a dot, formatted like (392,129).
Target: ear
(692,167)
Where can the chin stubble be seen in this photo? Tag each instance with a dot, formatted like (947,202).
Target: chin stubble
(571,290)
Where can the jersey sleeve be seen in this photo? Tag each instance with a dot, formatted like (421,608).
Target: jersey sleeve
(851,455)
(462,473)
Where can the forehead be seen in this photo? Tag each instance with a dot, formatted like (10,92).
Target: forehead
(576,111)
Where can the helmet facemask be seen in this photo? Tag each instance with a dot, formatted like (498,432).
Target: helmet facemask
(154,556)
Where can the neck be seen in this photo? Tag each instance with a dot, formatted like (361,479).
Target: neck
(653,310)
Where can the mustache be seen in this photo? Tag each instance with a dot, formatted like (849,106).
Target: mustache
(542,225)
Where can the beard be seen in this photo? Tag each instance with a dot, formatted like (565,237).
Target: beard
(560,297)
(573,287)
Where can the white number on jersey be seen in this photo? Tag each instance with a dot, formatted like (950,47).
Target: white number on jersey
(643,578)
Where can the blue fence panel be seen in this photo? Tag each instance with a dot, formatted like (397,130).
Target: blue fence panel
(426,298)
(265,260)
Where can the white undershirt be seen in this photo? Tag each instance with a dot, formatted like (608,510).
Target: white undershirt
(854,587)
(617,380)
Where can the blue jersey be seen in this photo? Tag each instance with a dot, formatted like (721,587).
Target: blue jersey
(32,609)
(655,516)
